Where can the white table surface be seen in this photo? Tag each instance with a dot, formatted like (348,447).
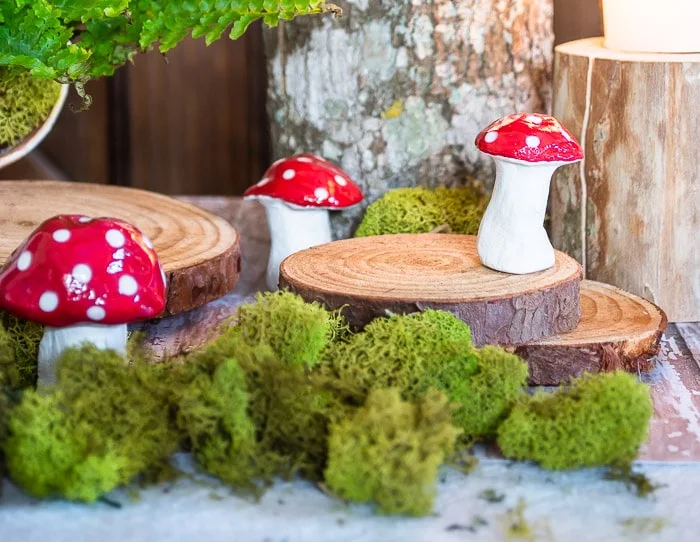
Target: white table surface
(571,507)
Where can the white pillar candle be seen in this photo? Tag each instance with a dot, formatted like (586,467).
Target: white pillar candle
(652,26)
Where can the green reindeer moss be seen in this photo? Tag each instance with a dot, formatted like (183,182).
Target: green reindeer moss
(19,345)
(25,103)
(102,424)
(600,420)
(432,349)
(389,452)
(422,210)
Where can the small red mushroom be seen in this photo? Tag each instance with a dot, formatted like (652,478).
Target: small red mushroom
(297,193)
(527,148)
(84,279)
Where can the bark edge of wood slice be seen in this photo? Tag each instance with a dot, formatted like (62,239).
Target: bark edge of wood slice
(406,273)
(618,331)
(200,252)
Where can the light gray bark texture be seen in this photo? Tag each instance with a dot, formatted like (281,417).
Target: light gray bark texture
(396,91)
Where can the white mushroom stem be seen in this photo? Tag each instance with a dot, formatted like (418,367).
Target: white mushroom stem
(512,238)
(292,229)
(58,339)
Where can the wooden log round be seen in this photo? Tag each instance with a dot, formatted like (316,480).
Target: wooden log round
(618,331)
(371,276)
(199,251)
(631,212)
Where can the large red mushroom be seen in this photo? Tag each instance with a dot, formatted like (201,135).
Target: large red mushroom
(527,149)
(297,194)
(84,279)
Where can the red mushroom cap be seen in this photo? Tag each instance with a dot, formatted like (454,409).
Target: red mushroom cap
(74,269)
(307,180)
(529,137)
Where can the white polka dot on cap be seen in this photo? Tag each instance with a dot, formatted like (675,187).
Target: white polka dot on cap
(24,260)
(532,141)
(321,194)
(82,273)
(341,180)
(128,285)
(289,174)
(533,119)
(48,301)
(115,238)
(96,313)
(490,137)
(61,236)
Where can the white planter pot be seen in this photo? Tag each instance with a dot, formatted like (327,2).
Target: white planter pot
(652,26)
(28,144)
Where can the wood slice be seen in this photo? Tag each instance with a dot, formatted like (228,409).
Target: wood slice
(408,273)
(631,212)
(618,331)
(199,251)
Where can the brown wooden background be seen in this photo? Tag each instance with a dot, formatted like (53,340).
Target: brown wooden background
(194,123)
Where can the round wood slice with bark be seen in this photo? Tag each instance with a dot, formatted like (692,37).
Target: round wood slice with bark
(373,276)
(618,331)
(199,251)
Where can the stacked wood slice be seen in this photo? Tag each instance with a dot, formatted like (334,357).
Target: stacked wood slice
(560,324)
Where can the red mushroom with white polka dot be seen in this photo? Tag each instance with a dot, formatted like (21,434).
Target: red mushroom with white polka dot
(84,279)
(298,193)
(528,149)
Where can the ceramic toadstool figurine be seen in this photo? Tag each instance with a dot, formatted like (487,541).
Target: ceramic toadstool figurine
(297,194)
(84,279)
(527,149)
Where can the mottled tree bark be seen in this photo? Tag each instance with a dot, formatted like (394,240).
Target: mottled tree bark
(396,91)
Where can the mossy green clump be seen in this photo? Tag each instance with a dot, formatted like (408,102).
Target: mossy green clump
(389,451)
(600,420)
(25,103)
(298,332)
(19,345)
(213,412)
(101,425)
(432,349)
(422,210)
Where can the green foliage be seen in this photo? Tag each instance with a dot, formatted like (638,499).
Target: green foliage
(600,420)
(25,103)
(421,210)
(389,452)
(290,407)
(297,332)
(213,412)
(432,349)
(105,34)
(103,423)
(19,345)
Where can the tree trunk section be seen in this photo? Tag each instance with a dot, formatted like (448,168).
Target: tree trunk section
(636,116)
(618,331)
(396,91)
(370,277)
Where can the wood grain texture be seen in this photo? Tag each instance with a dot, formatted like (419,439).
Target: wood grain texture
(78,144)
(618,331)
(637,120)
(199,251)
(197,117)
(408,273)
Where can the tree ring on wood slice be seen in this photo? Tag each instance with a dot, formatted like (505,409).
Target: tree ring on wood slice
(618,331)
(199,251)
(370,276)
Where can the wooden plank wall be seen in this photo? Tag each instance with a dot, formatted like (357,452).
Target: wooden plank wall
(193,122)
